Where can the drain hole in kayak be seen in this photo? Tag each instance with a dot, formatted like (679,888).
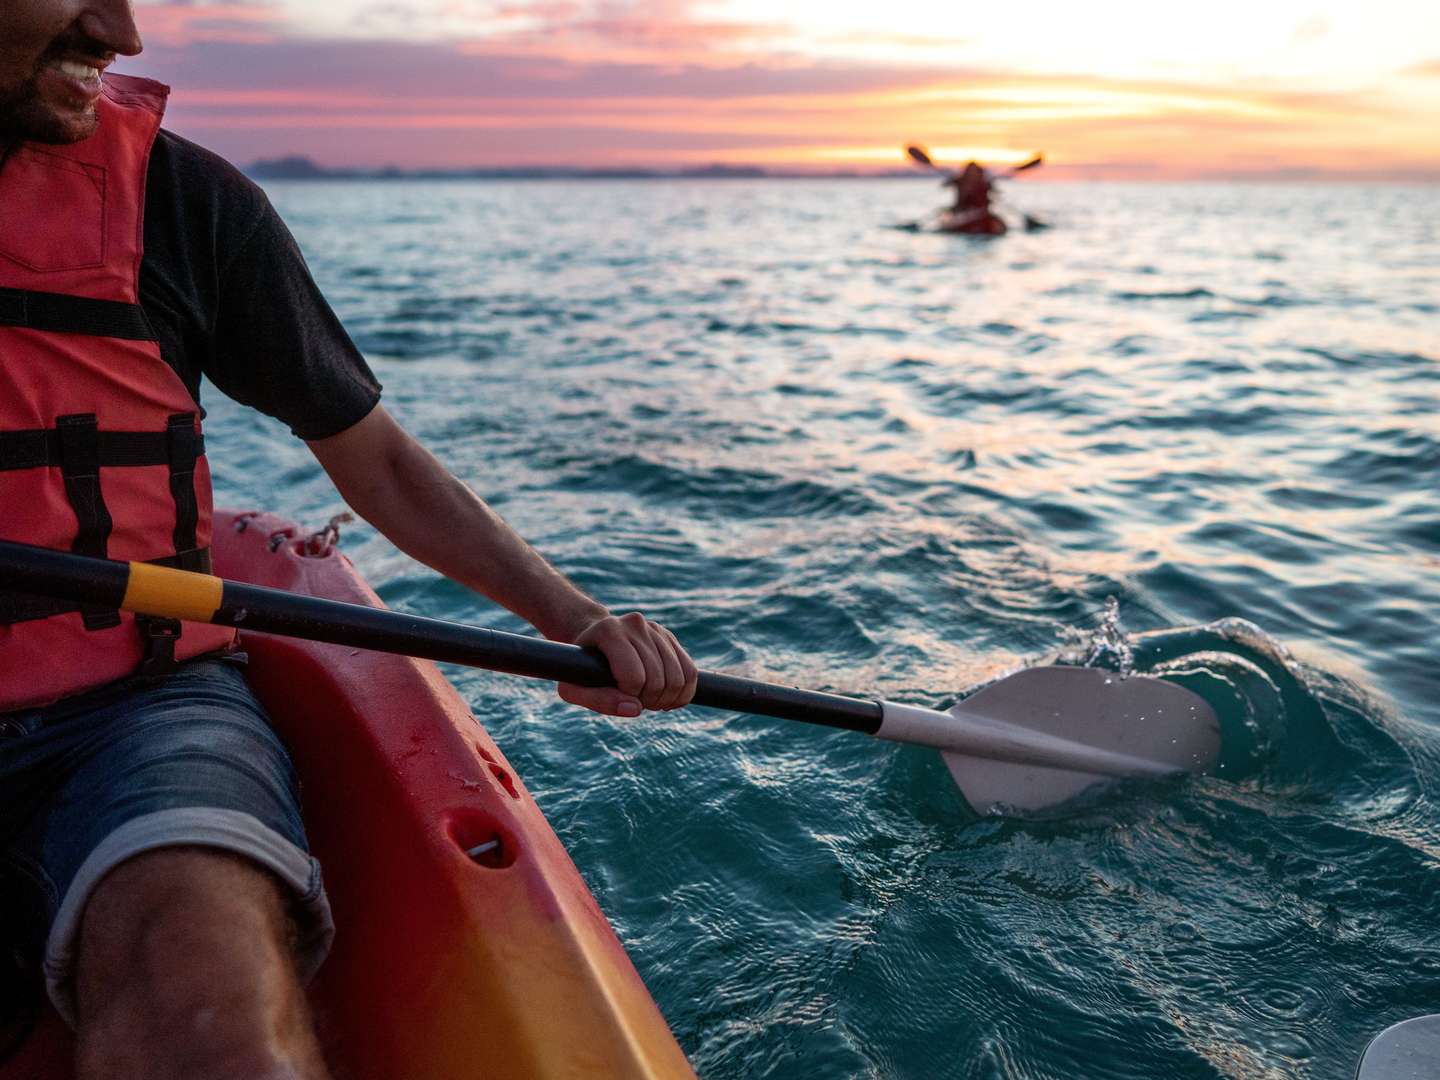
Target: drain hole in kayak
(498,771)
(505,781)
(482,842)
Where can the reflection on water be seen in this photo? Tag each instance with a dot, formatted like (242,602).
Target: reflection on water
(847,457)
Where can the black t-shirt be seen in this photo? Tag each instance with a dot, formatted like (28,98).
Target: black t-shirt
(230,297)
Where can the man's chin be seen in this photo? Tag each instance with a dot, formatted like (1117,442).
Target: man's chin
(34,121)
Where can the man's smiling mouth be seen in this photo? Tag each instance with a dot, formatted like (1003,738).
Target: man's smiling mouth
(81,70)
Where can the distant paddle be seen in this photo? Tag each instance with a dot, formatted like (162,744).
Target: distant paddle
(1038,159)
(1028,742)
(919,155)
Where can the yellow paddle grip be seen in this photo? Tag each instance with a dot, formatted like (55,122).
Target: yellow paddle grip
(174,594)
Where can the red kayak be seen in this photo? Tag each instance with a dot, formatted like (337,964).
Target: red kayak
(971,224)
(445,967)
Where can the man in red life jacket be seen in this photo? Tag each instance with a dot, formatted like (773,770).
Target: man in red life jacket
(153,819)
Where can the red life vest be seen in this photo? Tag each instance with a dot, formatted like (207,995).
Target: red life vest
(100,444)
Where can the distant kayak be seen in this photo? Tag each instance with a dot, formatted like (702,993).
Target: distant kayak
(968,225)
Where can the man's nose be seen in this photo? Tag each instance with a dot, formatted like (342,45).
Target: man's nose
(112,23)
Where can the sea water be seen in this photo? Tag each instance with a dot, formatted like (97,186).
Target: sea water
(846,457)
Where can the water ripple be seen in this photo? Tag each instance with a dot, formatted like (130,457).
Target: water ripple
(900,464)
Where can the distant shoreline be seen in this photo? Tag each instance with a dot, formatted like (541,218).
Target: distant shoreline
(302,168)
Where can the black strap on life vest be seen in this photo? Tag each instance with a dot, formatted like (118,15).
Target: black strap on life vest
(39,449)
(80,466)
(58,313)
(183,451)
(80,450)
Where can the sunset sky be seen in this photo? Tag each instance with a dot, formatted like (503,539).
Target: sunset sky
(1112,88)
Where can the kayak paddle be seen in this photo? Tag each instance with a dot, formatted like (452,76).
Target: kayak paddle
(920,157)
(1038,159)
(1029,741)
(1403,1051)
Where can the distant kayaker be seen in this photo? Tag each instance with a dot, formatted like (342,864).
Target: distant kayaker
(972,188)
(151,842)
(970,210)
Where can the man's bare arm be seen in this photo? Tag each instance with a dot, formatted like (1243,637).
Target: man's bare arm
(398,486)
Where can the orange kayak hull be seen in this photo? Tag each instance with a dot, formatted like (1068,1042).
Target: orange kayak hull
(444,967)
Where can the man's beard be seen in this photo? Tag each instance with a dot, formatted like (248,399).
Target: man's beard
(24,116)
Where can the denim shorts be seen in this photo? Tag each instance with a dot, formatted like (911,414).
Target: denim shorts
(92,780)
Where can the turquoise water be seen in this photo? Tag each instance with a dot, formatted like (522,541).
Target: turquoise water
(898,465)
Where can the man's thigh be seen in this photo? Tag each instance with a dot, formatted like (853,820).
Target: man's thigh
(188,763)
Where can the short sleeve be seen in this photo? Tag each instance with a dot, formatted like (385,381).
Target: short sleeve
(277,345)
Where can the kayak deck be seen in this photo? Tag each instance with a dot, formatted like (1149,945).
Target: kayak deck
(445,967)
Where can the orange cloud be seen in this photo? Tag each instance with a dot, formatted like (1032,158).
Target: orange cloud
(1092,126)
(652,83)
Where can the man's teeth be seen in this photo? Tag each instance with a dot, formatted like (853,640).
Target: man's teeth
(77,70)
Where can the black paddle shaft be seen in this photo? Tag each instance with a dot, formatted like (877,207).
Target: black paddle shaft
(256,608)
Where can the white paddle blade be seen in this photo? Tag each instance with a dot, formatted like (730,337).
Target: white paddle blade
(1167,727)
(1042,736)
(1001,788)
(1403,1051)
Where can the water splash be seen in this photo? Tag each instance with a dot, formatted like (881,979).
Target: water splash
(1109,644)
(1284,726)
(1106,645)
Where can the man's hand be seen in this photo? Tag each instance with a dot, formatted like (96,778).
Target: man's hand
(651,669)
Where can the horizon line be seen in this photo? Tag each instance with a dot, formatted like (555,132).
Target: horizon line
(301,167)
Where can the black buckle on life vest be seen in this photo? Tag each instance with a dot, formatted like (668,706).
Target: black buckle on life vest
(160,636)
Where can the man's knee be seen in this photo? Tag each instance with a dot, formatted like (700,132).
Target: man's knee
(175,912)
(185,954)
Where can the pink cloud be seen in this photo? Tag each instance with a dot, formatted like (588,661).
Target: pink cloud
(667,32)
(186,24)
(571,82)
